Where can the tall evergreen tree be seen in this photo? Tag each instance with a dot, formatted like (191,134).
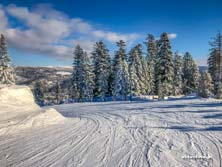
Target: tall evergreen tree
(120,71)
(164,69)
(6,71)
(134,62)
(151,63)
(177,81)
(88,78)
(102,69)
(205,85)
(77,73)
(134,81)
(82,77)
(214,64)
(190,74)
(138,67)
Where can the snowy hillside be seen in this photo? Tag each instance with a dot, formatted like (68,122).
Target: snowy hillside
(182,132)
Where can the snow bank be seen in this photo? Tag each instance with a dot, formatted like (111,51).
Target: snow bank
(19,110)
(48,117)
(16,96)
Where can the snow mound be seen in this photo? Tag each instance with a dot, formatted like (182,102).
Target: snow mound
(16,95)
(18,110)
(48,117)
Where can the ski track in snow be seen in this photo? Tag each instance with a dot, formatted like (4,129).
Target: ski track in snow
(117,134)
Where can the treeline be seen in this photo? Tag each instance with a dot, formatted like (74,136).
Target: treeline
(157,71)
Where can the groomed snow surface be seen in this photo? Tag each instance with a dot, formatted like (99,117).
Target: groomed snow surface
(180,132)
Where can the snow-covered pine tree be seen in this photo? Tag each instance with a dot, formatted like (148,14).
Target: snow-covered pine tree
(102,70)
(151,63)
(196,75)
(135,86)
(77,78)
(39,93)
(137,65)
(190,74)
(177,81)
(82,77)
(164,68)
(6,71)
(120,71)
(205,85)
(88,78)
(142,70)
(214,64)
(213,67)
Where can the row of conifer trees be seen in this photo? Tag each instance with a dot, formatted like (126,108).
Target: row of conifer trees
(157,71)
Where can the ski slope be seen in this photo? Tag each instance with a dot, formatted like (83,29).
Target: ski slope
(180,132)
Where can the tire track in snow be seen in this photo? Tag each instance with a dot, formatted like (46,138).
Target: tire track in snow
(65,153)
(215,144)
(85,139)
(42,143)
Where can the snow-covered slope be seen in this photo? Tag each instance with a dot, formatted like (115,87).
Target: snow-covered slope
(180,133)
(18,110)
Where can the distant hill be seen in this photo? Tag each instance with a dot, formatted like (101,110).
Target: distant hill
(26,75)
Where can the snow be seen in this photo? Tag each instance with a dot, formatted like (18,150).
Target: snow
(18,111)
(63,73)
(177,132)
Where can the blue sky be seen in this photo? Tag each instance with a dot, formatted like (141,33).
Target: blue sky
(42,33)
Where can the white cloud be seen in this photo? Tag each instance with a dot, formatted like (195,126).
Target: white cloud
(114,37)
(49,32)
(172,35)
(4,22)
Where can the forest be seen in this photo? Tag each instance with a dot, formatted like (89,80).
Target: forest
(157,71)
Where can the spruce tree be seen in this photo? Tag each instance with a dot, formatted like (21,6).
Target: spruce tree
(142,70)
(205,85)
(177,81)
(190,74)
(6,71)
(214,64)
(88,78)
(135,86)
(77,74)
(164,69)
(102,70)
(137,65)
(151,63)
(120,71)
(82,77)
